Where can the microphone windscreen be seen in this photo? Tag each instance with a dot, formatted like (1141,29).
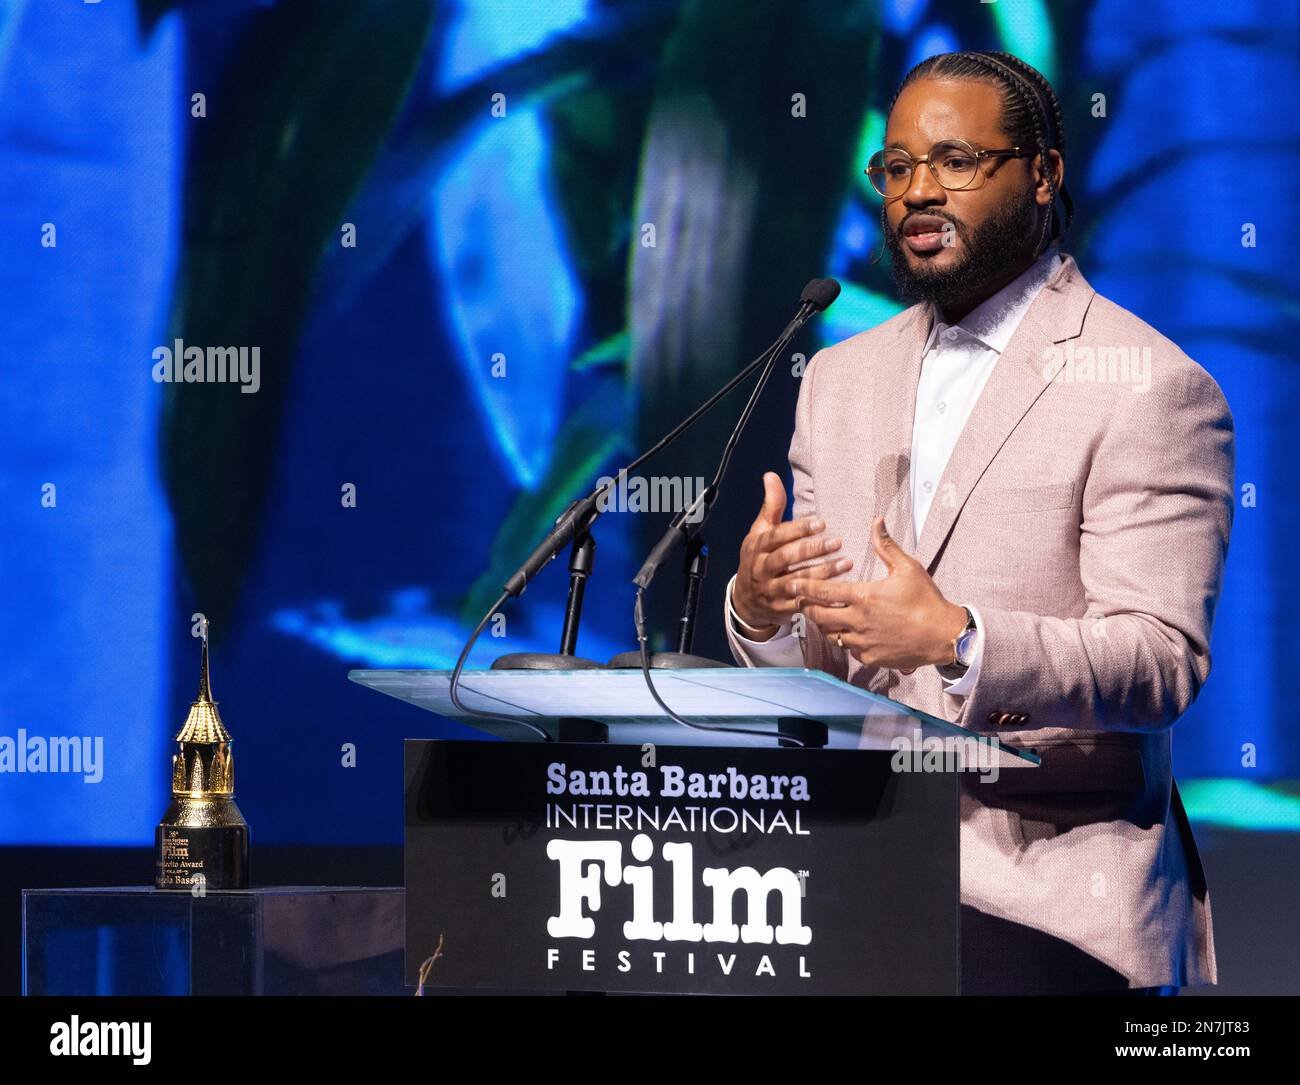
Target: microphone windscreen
(820,293)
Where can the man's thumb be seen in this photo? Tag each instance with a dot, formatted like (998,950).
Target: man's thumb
(773,510)
(890,552)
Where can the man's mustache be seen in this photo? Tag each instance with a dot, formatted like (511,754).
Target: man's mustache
(957,223)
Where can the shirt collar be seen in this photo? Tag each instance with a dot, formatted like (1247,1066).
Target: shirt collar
(995,319)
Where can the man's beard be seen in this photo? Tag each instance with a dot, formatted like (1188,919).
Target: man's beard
(997,246)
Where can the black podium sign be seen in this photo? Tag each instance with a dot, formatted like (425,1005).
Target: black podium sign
(570,867)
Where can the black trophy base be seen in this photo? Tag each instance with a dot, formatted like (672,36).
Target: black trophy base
(201,857)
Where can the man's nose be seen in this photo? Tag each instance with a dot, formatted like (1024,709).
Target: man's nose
(924,191)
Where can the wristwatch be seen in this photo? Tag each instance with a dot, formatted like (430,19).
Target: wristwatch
(963,650)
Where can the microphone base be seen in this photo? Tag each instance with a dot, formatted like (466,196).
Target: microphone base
(543,661)
(663,661)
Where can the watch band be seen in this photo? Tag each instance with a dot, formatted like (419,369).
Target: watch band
(957,668)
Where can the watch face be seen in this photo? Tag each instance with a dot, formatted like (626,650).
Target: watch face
(965,647)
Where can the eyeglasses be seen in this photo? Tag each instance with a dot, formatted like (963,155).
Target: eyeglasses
(953,162)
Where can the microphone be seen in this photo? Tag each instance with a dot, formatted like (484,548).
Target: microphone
(818,293)
(580,515)
(821,292)
(816,297)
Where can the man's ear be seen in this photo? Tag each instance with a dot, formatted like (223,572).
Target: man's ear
(1056,164)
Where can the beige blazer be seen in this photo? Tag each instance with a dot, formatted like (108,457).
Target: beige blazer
(1085,512)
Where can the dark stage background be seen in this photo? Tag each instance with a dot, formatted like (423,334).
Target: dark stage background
(617,202)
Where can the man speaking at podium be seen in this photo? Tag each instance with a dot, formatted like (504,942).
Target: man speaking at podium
(1017,497)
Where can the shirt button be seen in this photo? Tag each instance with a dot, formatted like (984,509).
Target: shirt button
(950,334)
(927,486)
(940,406)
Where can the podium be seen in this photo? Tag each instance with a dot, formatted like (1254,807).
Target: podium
(673,860)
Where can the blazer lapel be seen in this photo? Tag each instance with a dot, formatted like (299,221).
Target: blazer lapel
(1020,376)
(888,470)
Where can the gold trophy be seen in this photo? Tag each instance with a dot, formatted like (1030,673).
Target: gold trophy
(202,840)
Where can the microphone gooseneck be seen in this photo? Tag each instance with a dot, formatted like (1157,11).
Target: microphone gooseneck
(817,295)
(579,516)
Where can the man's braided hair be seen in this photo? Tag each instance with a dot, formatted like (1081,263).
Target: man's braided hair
(1031,113)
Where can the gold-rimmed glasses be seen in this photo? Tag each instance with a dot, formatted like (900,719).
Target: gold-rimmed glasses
(954,163)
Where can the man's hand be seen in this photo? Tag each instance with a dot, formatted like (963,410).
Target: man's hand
(901,623)
(762,597)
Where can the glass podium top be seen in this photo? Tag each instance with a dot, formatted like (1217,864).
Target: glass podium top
(740,696)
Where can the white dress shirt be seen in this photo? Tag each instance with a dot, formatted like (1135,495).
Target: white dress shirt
(957,360)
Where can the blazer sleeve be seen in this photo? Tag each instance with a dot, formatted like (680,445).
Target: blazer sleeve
(1156,515)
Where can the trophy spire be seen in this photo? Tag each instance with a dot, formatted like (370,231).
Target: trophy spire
(205,688)
(203,832)
(203,725)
